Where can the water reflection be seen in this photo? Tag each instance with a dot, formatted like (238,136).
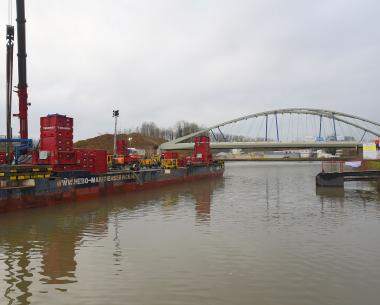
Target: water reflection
(43,240)
(41,245)
(18,278)
(360,194)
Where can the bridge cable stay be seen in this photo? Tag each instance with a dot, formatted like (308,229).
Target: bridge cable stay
(316,126)
(266,128)
(312,126)
(270,130)
(289,123)
(247,127)
(254,132)
(323,133)
(341,128)
(360,136)
(333,119)
(251,129)
(228,131)
(365,131)
(307,127)
(298,123)
(320,128)
(263,131)
(353,131)
(337,125)
(213,134)
(278,137)
(293,127)
(224,138)
(250,133)
(312,123)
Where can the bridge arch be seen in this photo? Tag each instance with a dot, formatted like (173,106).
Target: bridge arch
(365,125)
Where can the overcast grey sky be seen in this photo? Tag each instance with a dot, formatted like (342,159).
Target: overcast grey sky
(196,60)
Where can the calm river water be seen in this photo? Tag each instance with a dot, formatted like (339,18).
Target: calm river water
(263,234)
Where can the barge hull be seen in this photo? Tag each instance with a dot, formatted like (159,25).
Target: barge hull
(72,188)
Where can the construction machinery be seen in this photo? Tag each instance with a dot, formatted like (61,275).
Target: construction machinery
(20,146)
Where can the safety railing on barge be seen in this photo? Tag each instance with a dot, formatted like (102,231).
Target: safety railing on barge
(334,166)
(335,173)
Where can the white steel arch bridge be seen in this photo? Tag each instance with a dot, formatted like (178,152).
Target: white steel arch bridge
(290,128)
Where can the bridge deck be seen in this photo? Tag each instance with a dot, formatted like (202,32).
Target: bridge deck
(264,145)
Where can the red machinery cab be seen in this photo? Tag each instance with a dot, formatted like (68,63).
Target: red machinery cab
(123,156)
(202,151)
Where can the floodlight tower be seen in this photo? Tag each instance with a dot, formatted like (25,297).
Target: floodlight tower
(115,114)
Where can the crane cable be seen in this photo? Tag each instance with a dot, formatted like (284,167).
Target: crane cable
(10,12)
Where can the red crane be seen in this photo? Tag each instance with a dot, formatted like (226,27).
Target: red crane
(22,83)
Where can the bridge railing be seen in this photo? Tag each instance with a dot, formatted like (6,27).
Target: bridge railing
(335,166)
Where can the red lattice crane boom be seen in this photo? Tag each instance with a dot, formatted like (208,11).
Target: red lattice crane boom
(22,80)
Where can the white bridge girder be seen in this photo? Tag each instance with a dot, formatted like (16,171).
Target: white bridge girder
(264,145)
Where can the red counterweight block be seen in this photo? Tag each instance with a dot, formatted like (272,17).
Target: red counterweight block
(56,138)
(57,120)
(170,155)
(56,144)
(92,160)
(56,133)
(202,151)
(3,157)
(121,147)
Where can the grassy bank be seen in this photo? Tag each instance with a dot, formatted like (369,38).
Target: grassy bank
(372,165)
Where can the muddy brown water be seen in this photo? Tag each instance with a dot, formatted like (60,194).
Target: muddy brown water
(263,234)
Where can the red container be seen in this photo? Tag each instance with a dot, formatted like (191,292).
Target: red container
(56,120)
(66,157)
(181,162)
(93,160)
(56,141)
(121,147)
(101,161)
(55,133)
(54,144)
(170,155)
(3,159)
(56,158)
(56,128)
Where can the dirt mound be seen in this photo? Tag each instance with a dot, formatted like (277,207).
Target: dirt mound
(137,140)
